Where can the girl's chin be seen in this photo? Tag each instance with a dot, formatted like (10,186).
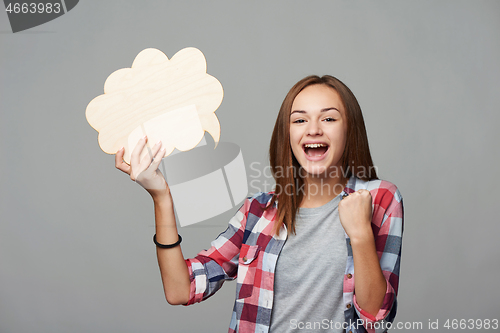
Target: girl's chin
(317,171)
(320,171)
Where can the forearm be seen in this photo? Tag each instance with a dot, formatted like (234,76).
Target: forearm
(173,268)
(369,283)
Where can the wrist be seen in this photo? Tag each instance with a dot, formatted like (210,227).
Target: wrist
(161,197)
(362,236)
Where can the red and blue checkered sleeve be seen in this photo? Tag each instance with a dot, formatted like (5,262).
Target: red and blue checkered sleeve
(210,268)
(388,219)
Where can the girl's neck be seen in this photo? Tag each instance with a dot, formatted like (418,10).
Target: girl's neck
(319,191)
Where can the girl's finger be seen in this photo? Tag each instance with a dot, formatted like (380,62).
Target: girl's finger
(136,153)
(119,163)
(148,158)
(158,157)
(156,149)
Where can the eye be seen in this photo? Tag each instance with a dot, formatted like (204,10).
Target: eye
(298,121)
(329,119)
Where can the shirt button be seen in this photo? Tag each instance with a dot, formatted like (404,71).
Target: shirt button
(348,306)
(349,275)
(244,258)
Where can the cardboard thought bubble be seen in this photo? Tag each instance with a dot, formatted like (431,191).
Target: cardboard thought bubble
(169,100)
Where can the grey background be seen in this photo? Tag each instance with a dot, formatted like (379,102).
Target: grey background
(75,234)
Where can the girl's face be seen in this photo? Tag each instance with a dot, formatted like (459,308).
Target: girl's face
(318,130)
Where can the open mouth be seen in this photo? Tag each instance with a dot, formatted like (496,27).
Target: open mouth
(315,149)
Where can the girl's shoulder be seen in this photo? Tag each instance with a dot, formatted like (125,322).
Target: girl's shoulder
(381,190)
(261,197)
(355,184)
(258,203)
(257,212)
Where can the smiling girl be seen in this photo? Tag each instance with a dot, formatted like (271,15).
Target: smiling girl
(322,252)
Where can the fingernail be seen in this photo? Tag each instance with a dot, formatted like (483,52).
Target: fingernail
(144,137)
(159,141)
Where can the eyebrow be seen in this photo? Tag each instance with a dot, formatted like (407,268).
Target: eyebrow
(322,110)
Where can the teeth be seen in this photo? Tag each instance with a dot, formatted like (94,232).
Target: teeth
(314,145)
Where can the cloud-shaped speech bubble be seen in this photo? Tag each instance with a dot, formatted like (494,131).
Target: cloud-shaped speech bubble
(169,100)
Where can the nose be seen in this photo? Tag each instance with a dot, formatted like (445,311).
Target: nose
(314,128)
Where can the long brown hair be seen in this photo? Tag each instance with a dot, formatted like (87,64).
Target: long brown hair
(356,159)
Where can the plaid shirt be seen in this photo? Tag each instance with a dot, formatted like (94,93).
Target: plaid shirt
(248,251)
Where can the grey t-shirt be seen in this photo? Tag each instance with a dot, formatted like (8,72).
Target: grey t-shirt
(308,282)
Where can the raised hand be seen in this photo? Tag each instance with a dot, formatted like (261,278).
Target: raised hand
(144,172)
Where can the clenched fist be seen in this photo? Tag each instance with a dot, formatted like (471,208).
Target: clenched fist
(355,213)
